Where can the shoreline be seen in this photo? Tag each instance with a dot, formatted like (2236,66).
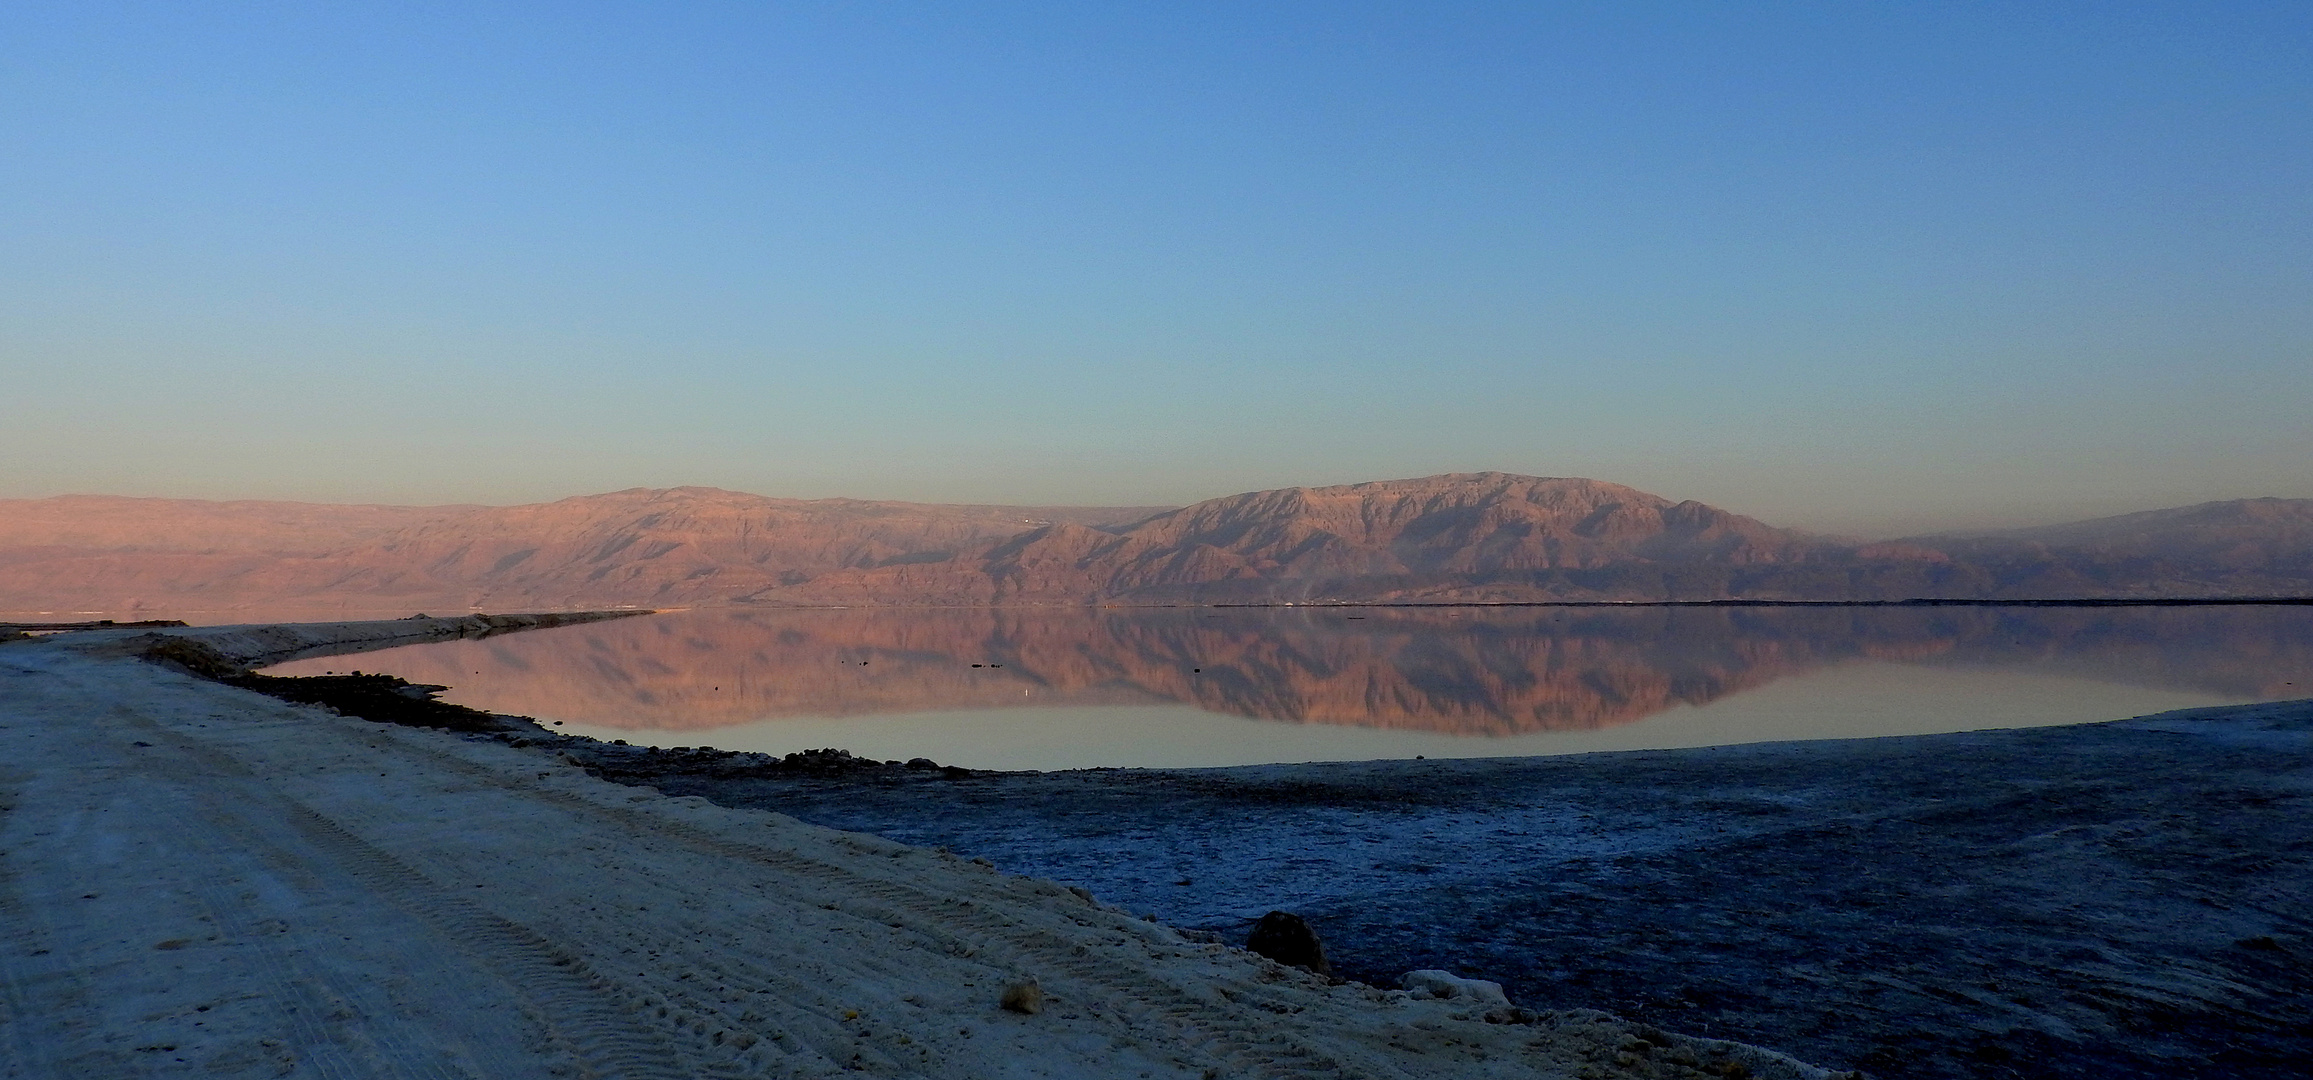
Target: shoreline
(200,880)
(14,619)
(2115,899)
(2120,898)
(1909,602)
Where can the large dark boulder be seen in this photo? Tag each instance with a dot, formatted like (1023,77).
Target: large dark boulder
(1286,938)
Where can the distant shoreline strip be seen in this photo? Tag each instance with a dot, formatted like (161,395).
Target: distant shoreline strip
(2085,602)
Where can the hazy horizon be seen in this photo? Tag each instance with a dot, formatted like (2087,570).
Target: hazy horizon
(1967,527)
(1872,271)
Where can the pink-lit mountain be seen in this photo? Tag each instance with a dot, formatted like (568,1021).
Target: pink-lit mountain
(1474,537)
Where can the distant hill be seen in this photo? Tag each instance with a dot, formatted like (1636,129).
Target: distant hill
(113,523)
(671,547)
(1468,537)
(2239,547)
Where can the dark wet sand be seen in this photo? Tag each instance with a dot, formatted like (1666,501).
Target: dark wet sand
(2112,900)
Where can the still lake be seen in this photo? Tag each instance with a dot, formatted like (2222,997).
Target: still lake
(1179,687)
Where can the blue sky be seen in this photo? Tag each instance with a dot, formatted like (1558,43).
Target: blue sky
(1856,267)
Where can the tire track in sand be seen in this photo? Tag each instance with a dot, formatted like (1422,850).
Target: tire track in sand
(1182,1019)
(555,986)
(61,994)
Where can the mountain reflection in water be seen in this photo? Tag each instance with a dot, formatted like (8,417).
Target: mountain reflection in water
(1461,671)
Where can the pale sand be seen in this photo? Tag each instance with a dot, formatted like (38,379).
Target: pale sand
(197,880)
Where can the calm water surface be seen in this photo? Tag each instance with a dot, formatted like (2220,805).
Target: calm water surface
(1030,689)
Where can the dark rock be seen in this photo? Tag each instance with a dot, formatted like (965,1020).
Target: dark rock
(197,658)
(1024,997)
(1286,938)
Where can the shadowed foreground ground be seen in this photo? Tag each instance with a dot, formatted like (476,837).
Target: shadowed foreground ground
(197,880)
(2112,900)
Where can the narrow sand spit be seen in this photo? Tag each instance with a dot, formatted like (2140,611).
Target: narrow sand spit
(198,880)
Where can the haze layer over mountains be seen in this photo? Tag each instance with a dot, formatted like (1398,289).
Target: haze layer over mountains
(1473,537)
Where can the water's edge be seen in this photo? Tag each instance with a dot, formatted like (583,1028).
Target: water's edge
(2111,899)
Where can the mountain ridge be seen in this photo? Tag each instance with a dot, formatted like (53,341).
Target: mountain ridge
(1486,537)
(1240,548)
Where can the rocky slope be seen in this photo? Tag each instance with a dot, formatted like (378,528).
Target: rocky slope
(1469,537)
(1497,537)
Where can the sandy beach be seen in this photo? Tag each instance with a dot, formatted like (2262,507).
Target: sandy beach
(197,880)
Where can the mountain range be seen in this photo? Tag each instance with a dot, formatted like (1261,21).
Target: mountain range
(1469,537)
